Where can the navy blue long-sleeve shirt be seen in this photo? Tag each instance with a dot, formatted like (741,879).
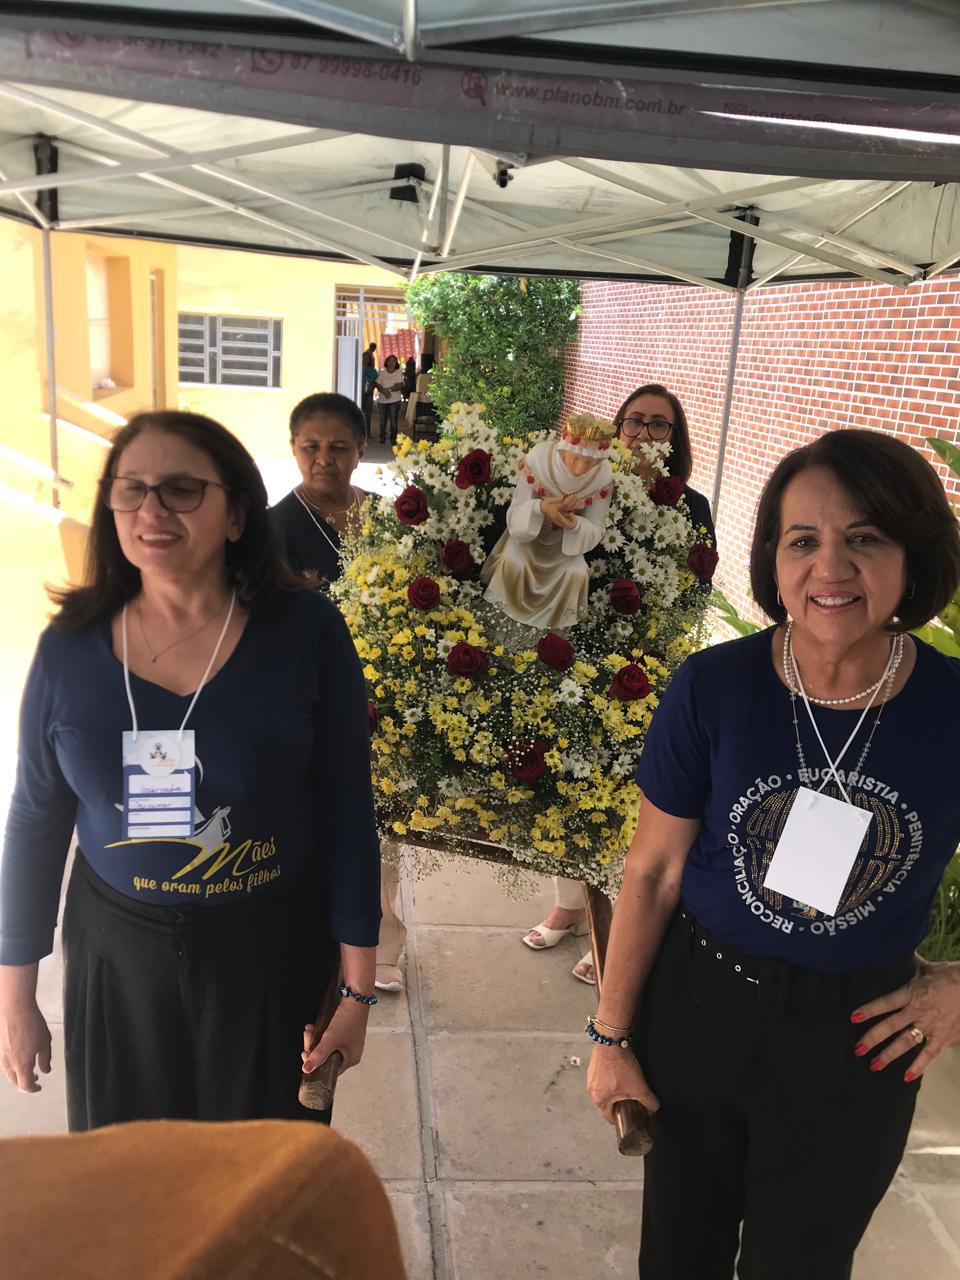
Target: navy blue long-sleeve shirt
(282,741)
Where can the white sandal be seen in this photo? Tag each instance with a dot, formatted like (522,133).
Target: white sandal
(552,936)
(582,977)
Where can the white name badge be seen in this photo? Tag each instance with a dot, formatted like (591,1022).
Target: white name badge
(159,784)
(816,852)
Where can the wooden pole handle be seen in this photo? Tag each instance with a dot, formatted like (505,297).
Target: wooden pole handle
(317,1088)
(630,1122)
(630,1118)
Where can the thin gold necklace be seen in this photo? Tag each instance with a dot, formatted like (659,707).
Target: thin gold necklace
(329,516)
(155,657)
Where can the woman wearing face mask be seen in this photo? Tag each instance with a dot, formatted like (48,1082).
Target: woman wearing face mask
(649,415)
(201,718)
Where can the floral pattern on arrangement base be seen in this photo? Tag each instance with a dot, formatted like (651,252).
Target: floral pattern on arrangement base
(485,728)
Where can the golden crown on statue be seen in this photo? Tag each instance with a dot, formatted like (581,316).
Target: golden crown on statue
(594,434)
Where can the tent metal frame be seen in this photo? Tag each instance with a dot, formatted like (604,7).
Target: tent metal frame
(737,210)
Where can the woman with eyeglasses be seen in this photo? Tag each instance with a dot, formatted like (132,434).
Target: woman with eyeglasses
(651,415)
(201,719)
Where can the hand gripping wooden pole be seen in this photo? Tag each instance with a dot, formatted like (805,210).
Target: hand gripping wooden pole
(629,1118)
(317,1087)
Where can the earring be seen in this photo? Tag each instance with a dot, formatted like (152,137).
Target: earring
(910,592)
(779,601)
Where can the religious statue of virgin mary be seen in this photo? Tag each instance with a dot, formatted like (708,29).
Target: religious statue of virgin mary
(537,573)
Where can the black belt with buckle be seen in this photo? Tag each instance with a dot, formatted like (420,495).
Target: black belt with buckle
(779,985)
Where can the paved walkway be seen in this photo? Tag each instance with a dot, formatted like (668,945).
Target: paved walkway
(470,1103)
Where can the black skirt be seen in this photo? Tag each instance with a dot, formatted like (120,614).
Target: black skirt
(194,1014)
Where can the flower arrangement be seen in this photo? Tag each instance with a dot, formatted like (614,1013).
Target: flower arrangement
(482,727)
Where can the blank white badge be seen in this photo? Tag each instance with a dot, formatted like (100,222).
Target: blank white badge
(816,852)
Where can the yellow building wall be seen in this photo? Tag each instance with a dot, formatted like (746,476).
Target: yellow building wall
(21,422)
(299,291)
(24,424)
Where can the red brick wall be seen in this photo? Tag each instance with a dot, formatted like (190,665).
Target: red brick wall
(811,357)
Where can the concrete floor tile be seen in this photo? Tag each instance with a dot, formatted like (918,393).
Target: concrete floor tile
(515,1107)
(413,1227)
(905,1240)
(472,980)
(577,1232)
(944,1201)
(24,1114)
(391,1010)
(468,892)
(937,1118)
(376,1106)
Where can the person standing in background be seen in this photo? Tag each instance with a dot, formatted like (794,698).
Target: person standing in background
(327,439)
(368,380)
(390,386)
(649,415)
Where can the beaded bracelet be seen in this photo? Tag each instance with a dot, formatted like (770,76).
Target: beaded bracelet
(343,990)
(619,1042)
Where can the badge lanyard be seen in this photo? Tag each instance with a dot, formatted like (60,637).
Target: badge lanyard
(159,772)
(821,837)
(835,764)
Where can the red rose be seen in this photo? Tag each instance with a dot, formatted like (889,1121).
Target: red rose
(467,660)
(702,561)
(423,594)
(456,557)
(554,651)
(525,759)
(373,718)
(666,491)
(411,505)
(629,684)
(625,596)
(473,469)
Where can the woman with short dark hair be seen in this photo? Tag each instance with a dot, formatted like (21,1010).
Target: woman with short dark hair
(762,997)
(202,720)
(328,439)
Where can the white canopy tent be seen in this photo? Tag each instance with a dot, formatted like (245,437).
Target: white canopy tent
(724,143)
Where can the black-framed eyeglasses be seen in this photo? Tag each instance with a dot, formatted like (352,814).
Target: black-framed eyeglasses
(657,428)
(176,493)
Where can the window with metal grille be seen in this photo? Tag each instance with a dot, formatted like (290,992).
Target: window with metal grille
(231,351)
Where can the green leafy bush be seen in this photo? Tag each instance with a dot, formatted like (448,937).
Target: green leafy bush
(506,338)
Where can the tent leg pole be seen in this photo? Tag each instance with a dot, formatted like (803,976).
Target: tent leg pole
(51,360)
(740,273)
(727,402)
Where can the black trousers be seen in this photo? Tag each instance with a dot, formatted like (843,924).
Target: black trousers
(189,1015)
(389,413)
(772,1137)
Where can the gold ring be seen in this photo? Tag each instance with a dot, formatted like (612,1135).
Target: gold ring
(917,1034)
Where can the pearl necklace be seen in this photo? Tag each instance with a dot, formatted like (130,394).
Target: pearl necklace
(331,516)
(790,671)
